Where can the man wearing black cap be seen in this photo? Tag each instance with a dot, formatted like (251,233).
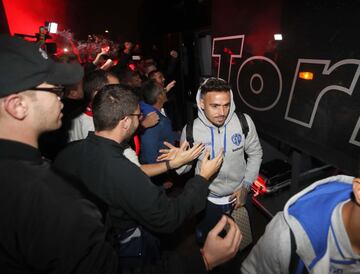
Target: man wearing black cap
(47,225)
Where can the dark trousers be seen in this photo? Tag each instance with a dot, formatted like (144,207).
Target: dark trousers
(208,219)
(138,252)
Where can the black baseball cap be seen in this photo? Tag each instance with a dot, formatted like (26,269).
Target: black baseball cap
(23,65)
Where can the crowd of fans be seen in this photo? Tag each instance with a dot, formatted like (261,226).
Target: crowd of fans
(86,152)
(105,211)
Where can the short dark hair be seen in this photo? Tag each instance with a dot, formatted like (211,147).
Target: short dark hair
(94,81)
(105,57)
(111,104)
(152,73)
(150,91)
(126,75)
(214,84)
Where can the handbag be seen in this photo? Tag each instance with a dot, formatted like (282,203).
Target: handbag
(241,217)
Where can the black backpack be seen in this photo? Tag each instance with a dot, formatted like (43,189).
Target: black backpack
(296,265)
(243,122)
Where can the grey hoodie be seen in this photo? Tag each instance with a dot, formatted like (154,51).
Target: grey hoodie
(315,217)
(234,172)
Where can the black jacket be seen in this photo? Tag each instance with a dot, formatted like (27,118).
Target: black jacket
(47,226)
(131,196)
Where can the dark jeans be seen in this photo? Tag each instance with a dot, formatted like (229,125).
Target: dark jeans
(209,218)
(138,252)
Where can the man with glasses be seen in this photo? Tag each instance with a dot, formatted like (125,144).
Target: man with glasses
(47,225)
(83,124)
(137,208)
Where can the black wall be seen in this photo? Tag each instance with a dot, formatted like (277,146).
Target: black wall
(319,117)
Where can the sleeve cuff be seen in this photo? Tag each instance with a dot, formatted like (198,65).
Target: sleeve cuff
(247,185)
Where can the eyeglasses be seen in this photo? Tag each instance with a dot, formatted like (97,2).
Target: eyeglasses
(139,115)
(58,91)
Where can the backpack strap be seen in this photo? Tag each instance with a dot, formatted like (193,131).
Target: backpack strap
(189,132)
(243,122)
(296,265)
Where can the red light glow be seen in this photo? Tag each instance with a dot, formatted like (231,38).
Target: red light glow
(26,16)
(132,66)
(259,186)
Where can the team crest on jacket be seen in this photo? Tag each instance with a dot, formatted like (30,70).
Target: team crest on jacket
(236,139)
